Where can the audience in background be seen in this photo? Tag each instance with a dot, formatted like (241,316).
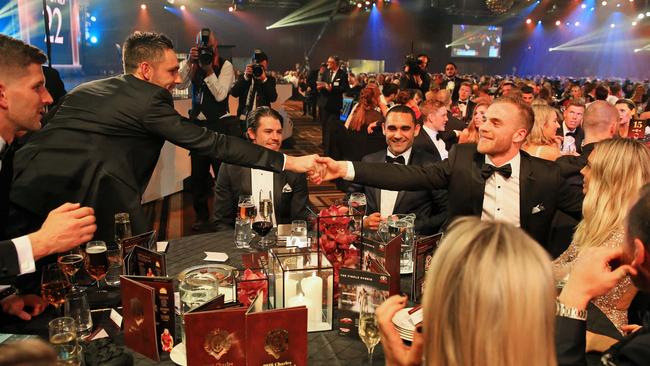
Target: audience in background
(626,112)
(470,134)
(542,141)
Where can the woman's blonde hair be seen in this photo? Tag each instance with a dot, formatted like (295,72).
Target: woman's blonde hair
(489,298)
(543,114)
(472,130)
(619,168)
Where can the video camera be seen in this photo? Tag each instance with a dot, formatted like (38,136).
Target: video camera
(206,53)
(258,57)
(413,63)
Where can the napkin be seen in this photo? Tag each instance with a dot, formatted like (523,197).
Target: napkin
(215,257)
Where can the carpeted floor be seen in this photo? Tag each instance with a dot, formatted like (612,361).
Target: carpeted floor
(172,216)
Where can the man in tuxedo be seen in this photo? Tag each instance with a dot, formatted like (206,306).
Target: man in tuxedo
(527,94)
(431,138)
(596,273)
(452,81)
(332,88)
(494,179)
(464,104)
(23,99)
(289,190)
(103,141)
(571,129)
(429,207)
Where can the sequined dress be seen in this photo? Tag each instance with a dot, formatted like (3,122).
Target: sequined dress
(614,304)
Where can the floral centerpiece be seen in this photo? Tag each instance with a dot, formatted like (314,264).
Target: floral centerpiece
(248,283)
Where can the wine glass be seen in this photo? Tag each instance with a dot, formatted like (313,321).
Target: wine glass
(97,260)
(246,206)
(357,206)
(63,337)
(368,328)
(264,220)
(70,263)
(54,285)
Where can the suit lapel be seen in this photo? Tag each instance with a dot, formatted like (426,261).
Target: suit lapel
(526,179)
(400,196)
(429,142)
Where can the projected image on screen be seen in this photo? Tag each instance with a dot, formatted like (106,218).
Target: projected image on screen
(475,41)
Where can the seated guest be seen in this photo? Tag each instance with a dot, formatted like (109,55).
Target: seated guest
(474,312)
(289,190)
(527,94)
(594,275)
(464,105)
(542,141)
(615,171)
(470,134)
(454,125)
(429,207)
(367,111)
(571,130)
(626,111)
(432,138)
(388,94)
(410,98)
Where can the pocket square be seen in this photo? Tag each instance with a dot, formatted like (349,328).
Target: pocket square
(287,188)
(537,209)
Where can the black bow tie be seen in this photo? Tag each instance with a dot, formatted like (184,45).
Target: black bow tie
(5,152)
(487,170)
(398,160)
(572,134)
(462,102)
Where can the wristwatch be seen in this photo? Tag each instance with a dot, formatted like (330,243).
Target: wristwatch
(569,312)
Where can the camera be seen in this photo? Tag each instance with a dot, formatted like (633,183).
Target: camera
(206,53)
(258,57)
(413,64)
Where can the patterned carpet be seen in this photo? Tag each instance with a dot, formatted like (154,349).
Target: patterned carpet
(172,216)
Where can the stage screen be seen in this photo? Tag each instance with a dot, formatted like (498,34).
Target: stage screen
(475,41)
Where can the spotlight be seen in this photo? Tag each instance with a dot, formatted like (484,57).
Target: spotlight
(359,5)
(647,13)
(612,25)
(641,16)
(592,9)
(584,6)
(557,22)
(170,1)
(618,5)
(539,22)
(528,21)
(93,19)
(604,3)
(636,50)
(577,24)
(182,7)
(93,39)
(446,46)
(231,8)
(367,3)
(551,49)
(143,6)
(634,24)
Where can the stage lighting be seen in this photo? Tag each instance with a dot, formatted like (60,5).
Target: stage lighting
(634,24)
(647,13)
(557,22)
(367,3)
(446,46)
(592,9)
(584,6)
(604,3)
(359,5)
(618,5)
(577,24)
(182,7)
(93,19)
(231,8)
(539,22)
(641,16)
(551,49)
(612,25)
(636,50)
(170,1)
(93,40)
(528,21)
(143,6)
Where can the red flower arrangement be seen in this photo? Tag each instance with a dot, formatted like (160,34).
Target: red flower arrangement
(249,283)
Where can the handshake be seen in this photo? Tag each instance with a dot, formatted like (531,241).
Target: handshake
(318,169)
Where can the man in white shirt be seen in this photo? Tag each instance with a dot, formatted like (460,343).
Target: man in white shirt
(434,116)
(23,99)
(493,180)
(571,130)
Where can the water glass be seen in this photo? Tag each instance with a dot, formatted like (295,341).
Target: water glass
(76,307)
(243,233)
(63,336)
(115,267)
(298,236)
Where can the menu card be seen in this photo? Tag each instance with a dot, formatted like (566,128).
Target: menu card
(355,287)
(424,249)
(379,257)
(216,337)
(145,240)
(142,261)
(148,311)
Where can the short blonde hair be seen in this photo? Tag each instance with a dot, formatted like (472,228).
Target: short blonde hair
(489,298)
(543,114)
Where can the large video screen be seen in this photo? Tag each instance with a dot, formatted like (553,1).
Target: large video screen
(475,41)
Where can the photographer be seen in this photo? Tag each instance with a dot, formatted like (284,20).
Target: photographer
(254,88)
(211,78)
(416,75)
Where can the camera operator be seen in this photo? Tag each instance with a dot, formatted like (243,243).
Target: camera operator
(416,75)
(254,88)
(211,78)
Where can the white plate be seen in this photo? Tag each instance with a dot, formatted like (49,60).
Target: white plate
(177,355)
(402,320)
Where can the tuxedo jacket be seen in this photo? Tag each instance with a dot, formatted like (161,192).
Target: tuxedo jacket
(334,97)
(6,173)
(541,186)
(289,194)
(457,81)
(100,148)
(9,266)
(580,135)
(470,110)
(424,143)
(429,206)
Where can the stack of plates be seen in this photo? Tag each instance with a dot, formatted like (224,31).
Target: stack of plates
(404,325)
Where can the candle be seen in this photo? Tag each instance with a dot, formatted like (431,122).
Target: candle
(330,292)
(312,287)
(289,290)
(296,301)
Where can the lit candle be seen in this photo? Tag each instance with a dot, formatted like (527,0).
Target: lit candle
(312,287)
(330,293)
(296,301)
(289,290)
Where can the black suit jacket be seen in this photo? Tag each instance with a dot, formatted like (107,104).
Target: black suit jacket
(101,146)
(9,266)
(265,92)
(6,173)
(540,186)
(334,97)
(423,142)
(233,181)
(429,206)
(470,110)
(457,81)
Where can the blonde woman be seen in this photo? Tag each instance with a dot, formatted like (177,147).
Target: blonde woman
(542,141)
(470,134)
(488,286)
(615,172)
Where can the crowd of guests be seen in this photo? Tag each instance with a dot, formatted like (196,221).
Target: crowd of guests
(492,162)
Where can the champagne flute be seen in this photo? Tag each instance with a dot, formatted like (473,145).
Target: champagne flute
(97,260)
(70,263)
(368,328)
(54,285)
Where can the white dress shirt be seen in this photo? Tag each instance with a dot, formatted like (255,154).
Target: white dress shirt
(569,142)
(388,198)
(262,180)
(501,199)
(463,107)
(440,145)
(219,86)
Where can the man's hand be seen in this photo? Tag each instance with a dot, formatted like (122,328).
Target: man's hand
(372,221)
(303,164)
(592,276)
(66,227)
(248,72)
(15,305)
(329,169)
(194,55)
(396,352)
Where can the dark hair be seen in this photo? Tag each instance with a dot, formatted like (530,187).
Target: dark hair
(452,64)
(527,89)
(15,55)
(253,118)
(630,104)
(336,59)
(424,55)
(404,96)
(638,219)
(601,93)
(400,108)
(525,110)
(615,88)
(144,46)
(390,89)
(575,103)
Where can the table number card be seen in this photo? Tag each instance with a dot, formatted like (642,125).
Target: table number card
(424,249)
